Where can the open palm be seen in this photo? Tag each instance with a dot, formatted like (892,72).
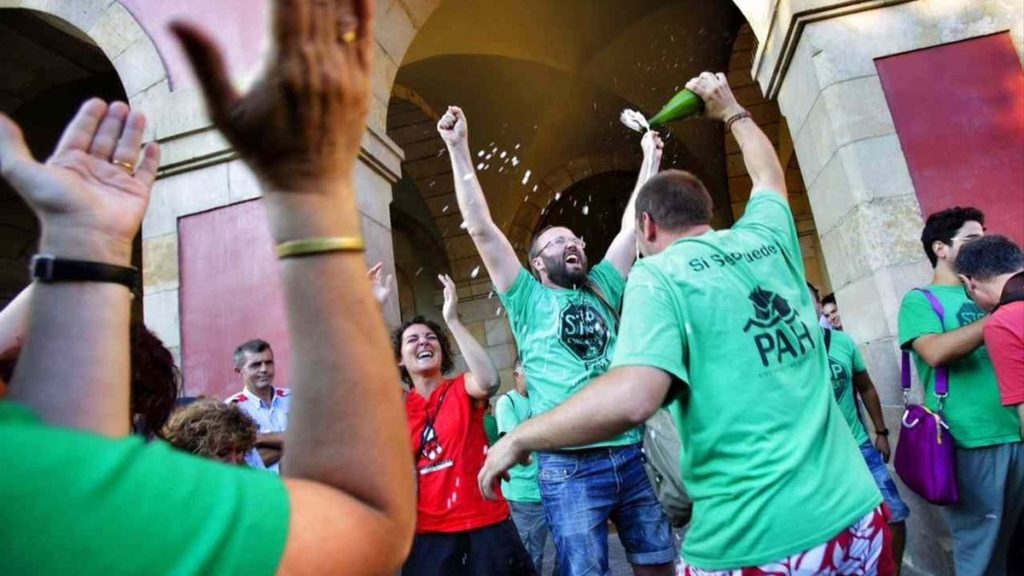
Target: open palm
(86,185)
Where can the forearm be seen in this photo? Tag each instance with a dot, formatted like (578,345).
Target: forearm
(869,395)
(84,325)
(605,408)
(14,324)
(347,406)
(649,167)
(478,361)
(468,193)
(946,348)
(759,156)
(270,440)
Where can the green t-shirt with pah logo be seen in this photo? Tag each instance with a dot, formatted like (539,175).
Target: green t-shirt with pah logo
(767,457)
(973,410)
(844,361)
(565,337)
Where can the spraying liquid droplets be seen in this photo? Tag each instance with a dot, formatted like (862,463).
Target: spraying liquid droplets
(634,120)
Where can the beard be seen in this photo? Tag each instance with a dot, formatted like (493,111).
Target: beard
(560,275)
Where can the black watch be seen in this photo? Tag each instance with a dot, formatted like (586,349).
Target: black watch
(882,432)
(48,268)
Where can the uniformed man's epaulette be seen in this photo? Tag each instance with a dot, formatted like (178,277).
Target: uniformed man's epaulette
(239,397)
(282,392)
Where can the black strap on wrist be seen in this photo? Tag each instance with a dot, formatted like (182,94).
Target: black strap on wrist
(735,118)
(882,432)
(48,268)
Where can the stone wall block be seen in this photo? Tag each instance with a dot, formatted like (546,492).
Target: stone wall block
(373,194)
(835,254)
(160,264)
(830,195)
(503,355)
(799,92)
(420,10)
(857,109)
(882,357)
(161,312)
(394,30)
(890,229)
(384,71)
(498,331)
(139,66)
(242,183)
(580,169)
(876,168)
(184,194)
(814,142)
(114,29)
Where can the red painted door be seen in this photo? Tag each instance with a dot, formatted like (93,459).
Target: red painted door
(230,292)
(959,114)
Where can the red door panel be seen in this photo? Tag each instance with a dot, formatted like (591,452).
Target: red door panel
(230,292)
(959,114)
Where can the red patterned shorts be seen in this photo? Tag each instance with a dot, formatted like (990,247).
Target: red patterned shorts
(864,549)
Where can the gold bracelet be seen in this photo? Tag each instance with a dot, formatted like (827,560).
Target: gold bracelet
(310,246)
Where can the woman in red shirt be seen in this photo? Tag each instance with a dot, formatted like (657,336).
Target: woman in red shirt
(458,531)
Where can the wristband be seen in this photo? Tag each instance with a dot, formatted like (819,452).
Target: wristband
(736,118)
(48,268)
(882,432)
(311,246)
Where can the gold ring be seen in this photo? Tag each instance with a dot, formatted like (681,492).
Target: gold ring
(349,37)
(126,166)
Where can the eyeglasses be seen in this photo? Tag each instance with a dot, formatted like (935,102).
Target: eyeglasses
(561,241)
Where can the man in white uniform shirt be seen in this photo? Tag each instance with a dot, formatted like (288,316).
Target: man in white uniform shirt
(268,406)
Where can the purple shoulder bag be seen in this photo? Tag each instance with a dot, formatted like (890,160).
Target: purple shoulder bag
(925,458)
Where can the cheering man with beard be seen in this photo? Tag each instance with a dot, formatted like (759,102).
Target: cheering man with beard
(564,317)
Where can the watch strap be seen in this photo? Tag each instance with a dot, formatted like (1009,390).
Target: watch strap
(48,268)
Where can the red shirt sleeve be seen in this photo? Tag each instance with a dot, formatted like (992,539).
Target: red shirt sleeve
(1004,338)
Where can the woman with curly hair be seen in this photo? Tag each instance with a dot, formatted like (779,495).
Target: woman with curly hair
(457,530)
(212,429)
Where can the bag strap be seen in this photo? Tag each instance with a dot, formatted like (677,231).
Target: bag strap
(594,289)
(828,340)
(941,372)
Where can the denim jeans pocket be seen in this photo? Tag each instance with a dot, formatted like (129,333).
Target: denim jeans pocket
(556,468)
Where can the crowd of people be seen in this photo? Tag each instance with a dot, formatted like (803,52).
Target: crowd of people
(715,335)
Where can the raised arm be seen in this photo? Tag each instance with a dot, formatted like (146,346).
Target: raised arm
(759,155)
(482,378)
(496,251)
(89,206)
(622,251)
(347,459)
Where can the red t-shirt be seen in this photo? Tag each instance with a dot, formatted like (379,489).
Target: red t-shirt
(1004,339)
(448,458)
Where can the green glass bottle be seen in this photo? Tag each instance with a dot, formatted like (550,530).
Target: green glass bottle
(683,105)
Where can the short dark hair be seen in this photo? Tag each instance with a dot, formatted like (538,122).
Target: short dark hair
(676,200)
(534,250)
(943,226)
(828,299)
(814,291)
(988,257)
(254,346)
(155,381)
(447,362)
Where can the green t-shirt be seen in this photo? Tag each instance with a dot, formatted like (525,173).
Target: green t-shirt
(511,410)
(975,415)
(491,429)
(844,361)
(78,503)
(767,457)
(565,338)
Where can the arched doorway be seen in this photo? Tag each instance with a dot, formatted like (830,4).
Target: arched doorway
(48,70)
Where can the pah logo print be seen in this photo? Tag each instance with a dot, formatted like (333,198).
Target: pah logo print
(779,332)
(840,379)
(583,331)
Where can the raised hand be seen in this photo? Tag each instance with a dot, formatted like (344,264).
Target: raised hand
(450,311)
(719,103)
(452,127)
(300,126)
(653,147)
(383,284)
(92,193)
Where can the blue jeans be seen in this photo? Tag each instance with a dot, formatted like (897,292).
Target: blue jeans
(897,507)
(581,490)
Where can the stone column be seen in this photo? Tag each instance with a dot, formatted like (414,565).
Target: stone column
(817,57)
